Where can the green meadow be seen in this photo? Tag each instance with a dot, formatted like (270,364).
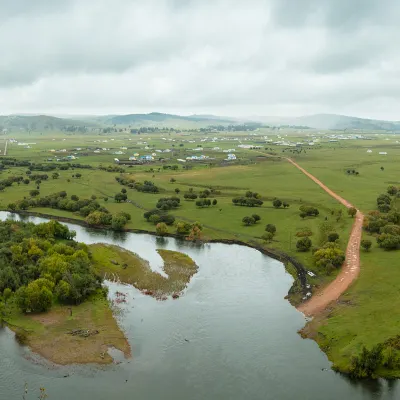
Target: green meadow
(364,316)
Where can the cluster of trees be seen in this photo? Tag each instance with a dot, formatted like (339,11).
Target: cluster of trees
(192,232)
(206,203)
(329,257)
(41,264)
(95,214)
(168,203)
(352,172)
(279,203)
(190,196)
(112,168)
(270,231)
(386,226)
(308,211)
(251,220)
(146,186)
(156,216)
(384,203)
(121,196)
(171,167)
(247,202)
(115,221)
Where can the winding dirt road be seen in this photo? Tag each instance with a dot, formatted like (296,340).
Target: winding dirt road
(351,266)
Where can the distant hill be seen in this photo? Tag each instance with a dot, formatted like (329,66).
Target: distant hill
(170,120)
(333,121)
(40,122)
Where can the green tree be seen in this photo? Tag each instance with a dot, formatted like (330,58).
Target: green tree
(78,175)
(392,190)
(214,202)
(177,190)
(123,190)
(267,237)
(352,211)
(118,222)
(55,175)
(34,193)
(248,221)
(256,217)
(271,228)
(366,244)
(333,236)
(277,203)
(7,294)
(161,229)
(304,244)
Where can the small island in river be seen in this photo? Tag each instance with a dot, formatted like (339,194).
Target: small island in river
(53,294)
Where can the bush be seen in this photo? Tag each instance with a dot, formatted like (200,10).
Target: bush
(308,211)
(352,211)
(248,221)
(277,203)
(366,244)
(271,228)
(267,237)
(304,244)
(330,253)
(161,229)
(333,236)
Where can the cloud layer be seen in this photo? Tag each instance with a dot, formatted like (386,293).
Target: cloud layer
(232,57)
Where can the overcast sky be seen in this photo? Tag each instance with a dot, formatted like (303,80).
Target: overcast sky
(227,57)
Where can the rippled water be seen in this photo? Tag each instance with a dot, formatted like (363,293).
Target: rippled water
(231,336)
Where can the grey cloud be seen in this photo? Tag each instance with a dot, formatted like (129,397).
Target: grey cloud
(254,56)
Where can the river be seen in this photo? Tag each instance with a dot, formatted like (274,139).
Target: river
(231,336)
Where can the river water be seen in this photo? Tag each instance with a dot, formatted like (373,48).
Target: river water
(231,336)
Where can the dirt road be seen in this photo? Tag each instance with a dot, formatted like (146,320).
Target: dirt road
(351,267)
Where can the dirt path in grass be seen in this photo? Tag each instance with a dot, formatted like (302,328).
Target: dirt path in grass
(351,267)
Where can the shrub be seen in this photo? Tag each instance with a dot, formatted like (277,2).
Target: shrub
(304,244)
(330,253)
(333,236)
(271,228)
(366,244)
(352,211)
(277,203)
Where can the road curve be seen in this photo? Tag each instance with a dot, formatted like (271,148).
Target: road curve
(351,266)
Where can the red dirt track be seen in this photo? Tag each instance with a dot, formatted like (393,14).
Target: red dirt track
(351,267)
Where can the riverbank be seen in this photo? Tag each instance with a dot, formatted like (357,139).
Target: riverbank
(298,291)
(72,335)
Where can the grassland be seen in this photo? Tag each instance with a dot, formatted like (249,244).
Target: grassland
(366,313)
(49,334)
(122,265)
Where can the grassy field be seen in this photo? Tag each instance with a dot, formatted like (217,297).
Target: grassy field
(48,334)
(119,264)
(364,315)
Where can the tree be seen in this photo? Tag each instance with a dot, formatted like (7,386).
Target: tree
(352,211)
(214,202)
(123,190)
(93,197)
(304,244)
(161,228)
(177,190)
(118,222)
(392,190)
(105,199)
(120,197)
(267,237)
(366,244)
(285,204)
(183,228)
(330,253)
(256,217)
(155,219)
(55,175)
(78,175)
(172,180)
(12,206)
(271,228)
(7,294)
(34,193)
(333,236)
(277,203)
(248,221)
(74,197)
(26,181)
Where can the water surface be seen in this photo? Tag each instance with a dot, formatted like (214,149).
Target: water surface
(231,336)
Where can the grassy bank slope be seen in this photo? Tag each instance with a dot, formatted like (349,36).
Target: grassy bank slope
(117,263)
(47,333)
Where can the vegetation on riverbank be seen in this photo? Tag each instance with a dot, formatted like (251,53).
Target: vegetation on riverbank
(116,263)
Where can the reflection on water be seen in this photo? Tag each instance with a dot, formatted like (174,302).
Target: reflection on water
(231,336)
